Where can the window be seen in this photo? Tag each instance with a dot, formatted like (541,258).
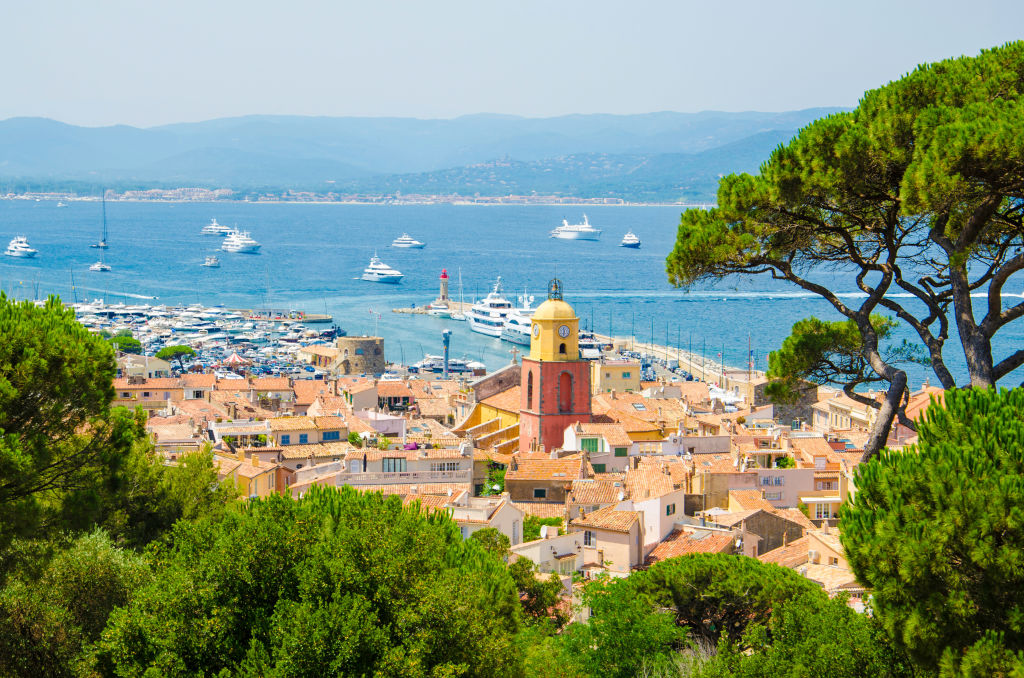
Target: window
(670,509)
(639,407)
(126,395)
(599,468)
(779,480)
(167,395)
(589,444)
(394,464)
(332,435)
(359,351)
(822,511)
(303,438)
(145,394)
(286,439)
(444,466)
(270,480)
(819,462)
(773,496)
(540,493)
(621,452)
(255,485)
(464,531)
(832,560)
(529,391)
(588,538)
(565,392)
(561,348)
(625,375)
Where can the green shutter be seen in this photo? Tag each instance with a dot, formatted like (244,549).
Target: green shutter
(589,444)
(621,452)
(599,468)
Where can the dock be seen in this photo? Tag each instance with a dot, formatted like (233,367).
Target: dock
(423,310)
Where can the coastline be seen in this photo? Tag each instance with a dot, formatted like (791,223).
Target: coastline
(427,201)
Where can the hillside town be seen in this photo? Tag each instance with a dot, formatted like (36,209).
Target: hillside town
(586,469)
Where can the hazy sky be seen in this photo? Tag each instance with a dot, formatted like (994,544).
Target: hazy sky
(149,62)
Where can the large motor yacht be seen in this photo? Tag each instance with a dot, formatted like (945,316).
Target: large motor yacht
(378,271)
(240,241)
(518,323)
(630,240)
(582,231)
(19,247)
(488,315)
(213,228)
(406,240)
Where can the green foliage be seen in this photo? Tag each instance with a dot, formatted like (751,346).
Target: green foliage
(355,439)
(532,525)
(175,353)
(383,442)
(821,352)
(808,636)
(785,462)
(124,341)
(718,595)
(493,541)
(938,531)
(626,632)
(917,192)
(47,623)
(62,447)
(337,582)
(538,596)
(495,483)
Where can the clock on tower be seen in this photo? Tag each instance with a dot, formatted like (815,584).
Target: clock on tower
(555,381)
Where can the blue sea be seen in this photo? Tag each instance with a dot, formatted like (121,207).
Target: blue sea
(313,254)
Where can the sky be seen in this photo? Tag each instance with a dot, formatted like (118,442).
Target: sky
(152,62)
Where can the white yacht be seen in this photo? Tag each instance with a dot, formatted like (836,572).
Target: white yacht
(19,247)
(582,231)
(102,244)
(61,203)
(630,240)
(100,266)
(240,241)
(213,228)
(488,315)
(378,271)
(517,325)
(212,262)
(406,240)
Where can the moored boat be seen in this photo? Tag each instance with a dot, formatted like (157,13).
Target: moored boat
(380,272)
(581,231)
(488,315)
(19,247)
(630,240)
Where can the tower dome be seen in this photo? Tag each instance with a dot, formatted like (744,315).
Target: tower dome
(554,328)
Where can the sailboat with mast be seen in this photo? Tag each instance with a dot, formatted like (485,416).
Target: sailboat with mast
(460,315)
(102,244)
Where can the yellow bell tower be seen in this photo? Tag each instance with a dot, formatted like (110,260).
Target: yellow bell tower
(555,329)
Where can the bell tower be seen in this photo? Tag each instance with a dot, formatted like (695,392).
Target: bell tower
(555,382)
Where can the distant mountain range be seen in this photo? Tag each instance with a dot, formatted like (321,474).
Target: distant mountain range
(649,157)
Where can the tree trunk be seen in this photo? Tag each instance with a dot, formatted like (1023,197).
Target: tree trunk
(886,415)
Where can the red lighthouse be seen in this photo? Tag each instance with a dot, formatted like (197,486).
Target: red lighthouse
(555,382)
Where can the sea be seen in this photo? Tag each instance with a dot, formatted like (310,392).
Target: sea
(313,254)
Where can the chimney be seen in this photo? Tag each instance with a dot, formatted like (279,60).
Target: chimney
(613,394)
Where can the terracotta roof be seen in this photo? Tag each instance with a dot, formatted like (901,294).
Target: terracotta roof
(433,407)
(271,384)
(615,434)
(796,516)
(307,390)
(394,389)
(421,488)
(922,400)
(565,469)
(750,499)
(247,470)
(199,380)
(508,400)
(681,543)
(733,518)
(647,481)
(291,424)
(714,463)
(329,423)
(148,384)
(357,425)
(541,509)
(595,492)
(319,450)
(830,577)
(608,519)
(792,555)
(328,404)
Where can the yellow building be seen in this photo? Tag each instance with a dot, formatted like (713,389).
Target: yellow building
(621,376)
